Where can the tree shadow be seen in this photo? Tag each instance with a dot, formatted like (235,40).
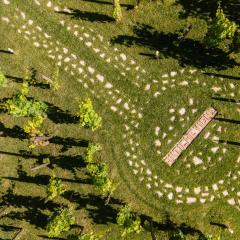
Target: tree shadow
(229,142)
(187,52)
(230,100)
(169,226)
(33,82)
(127,6)
(205,8)
(95,205)
(228,120)
(68,142)
(33,205)
(87,16)
(15,132)
(222,76)
(57,115)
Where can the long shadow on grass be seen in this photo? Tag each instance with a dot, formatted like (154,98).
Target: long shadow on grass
(228,120)
(95,205)
(57,115)
(33,207)
(68,142)
(87,16)
(230,100)
(187,51)
(15,132)
(229,142)
(205,8)
(31,83)
(66,162)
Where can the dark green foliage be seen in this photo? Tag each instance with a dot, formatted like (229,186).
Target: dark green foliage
(88,117)
(60,222)
(129,222)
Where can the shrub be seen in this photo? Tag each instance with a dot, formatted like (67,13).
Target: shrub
(84,236)
(117,12)
(60,222)
(130,223)
(88,117)
(220,29)
(55,188)
(91,149)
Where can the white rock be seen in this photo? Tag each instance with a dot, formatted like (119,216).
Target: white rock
(191,200)
(147,87)
(173,74)
(197,190)
(6,2)
(179,189)
(49,4)
(123,56)
(170,196)
(113,108)
(182,111)
(126,106)
(157,143)
(91,70)
(214,149)
(197,161)
(100,77)
(231,201)
(160,194)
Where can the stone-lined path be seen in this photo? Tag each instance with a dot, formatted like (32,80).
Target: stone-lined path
(191,134)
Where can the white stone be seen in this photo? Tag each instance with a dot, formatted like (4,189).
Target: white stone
(197,161)
(157,129)
(49,4)
(148,185)
(67,59)
(100,77)
(5,19)
(108,85)
(231,201)
(172,110)
(147,87)
(135,171)
(182,111)
(197,190)
(170,196)
(202,200)
(214,149)
(113,108)
(88,44)
(80,70)
(160,194)
(148,171)
(36,44)
(123,56)
(191,200)
(157,143)
(6,2)
(65,50)
(206,136)
(126,106)
(173,74)
(91,70)
(215,187)
(179,189)
(164,75)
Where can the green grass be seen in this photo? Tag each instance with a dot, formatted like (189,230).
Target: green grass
(152,27)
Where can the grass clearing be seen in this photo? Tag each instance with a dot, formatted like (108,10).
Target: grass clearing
(147,104)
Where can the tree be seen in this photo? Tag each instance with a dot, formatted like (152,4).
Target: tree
(32,126)
(3,80)
(91,149)
(220,29)
(129,222)
(177,235)
(88,117)
(117,12)
(60,221)
(55,188)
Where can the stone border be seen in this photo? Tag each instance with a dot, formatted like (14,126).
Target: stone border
(190,135)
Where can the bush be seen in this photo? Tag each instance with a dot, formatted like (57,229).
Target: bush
(91,149)
(86,236)
(55,188)
(60,222)
(88,117)
(130,223)
(220,29)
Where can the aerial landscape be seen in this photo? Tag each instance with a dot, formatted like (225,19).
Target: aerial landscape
(120,119)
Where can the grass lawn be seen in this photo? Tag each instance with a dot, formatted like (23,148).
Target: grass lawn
(146,103)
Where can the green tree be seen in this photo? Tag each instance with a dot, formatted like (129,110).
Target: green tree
(88,117)
(91,149)
(60,221)
(129,221)
(220,29)
(117,12)
(177,235)
(55,187)
(32,126)
(3,80)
